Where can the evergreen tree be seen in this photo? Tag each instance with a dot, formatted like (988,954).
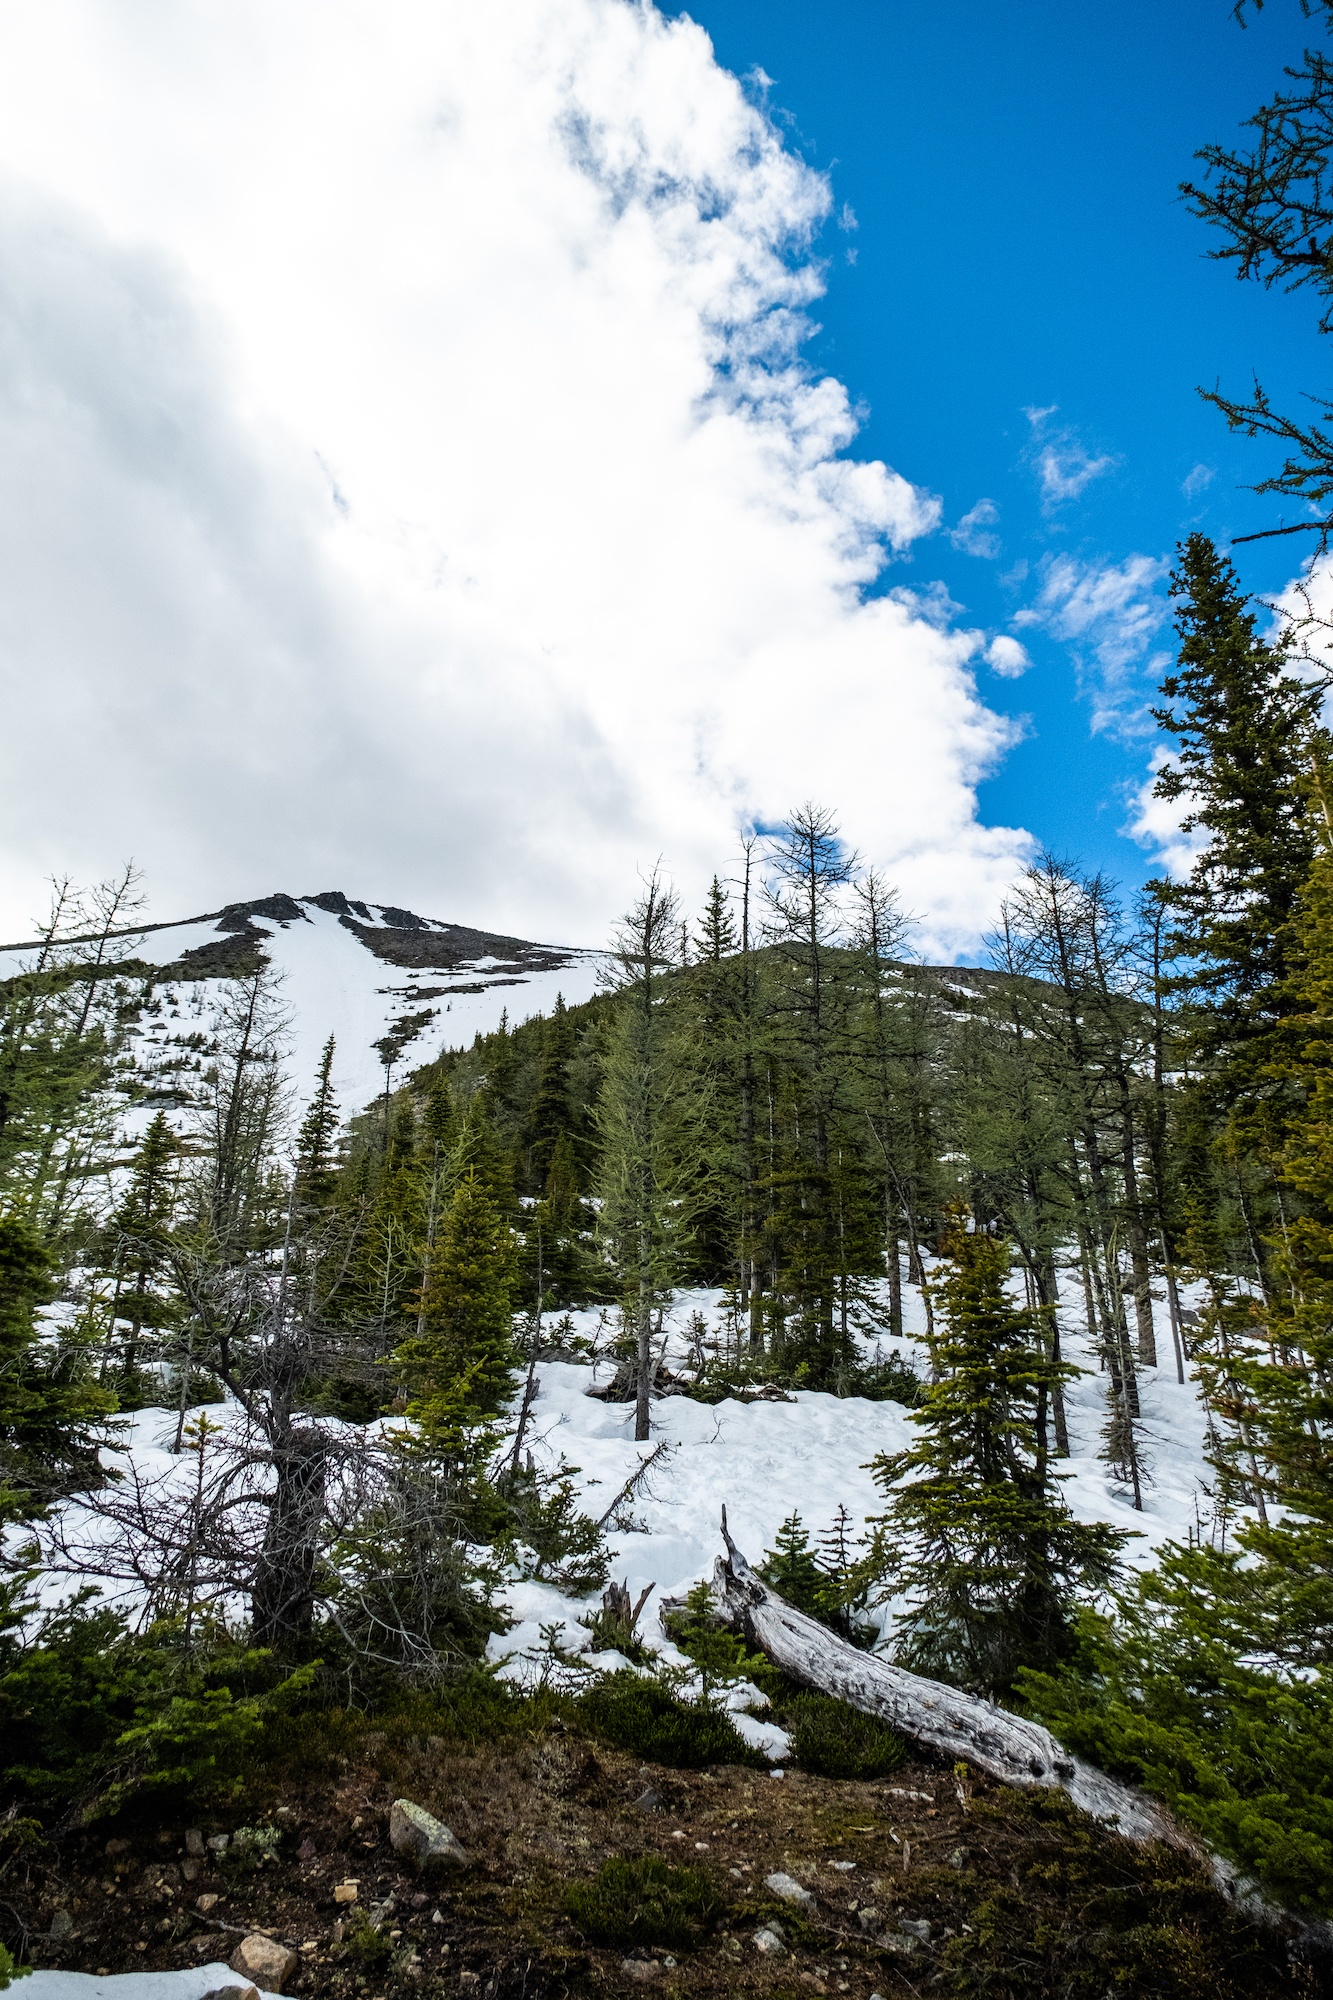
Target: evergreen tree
(976,1533)
(1241,724)
(315,1174)
(139,1226)
(465,1342)
(647,1117)
(791,1567)
(551,1115)
(52,1414)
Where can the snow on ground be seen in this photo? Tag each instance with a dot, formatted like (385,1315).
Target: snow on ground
(333,984)
(763,1461)
(189,1985)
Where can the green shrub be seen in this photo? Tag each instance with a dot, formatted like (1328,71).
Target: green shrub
(838,1741)
(643,1902)
(9,1970)
(92,1712)
(645,1717)
(717,1652)
(365,1944)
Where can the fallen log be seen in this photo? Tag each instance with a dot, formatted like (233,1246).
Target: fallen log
(948,1723)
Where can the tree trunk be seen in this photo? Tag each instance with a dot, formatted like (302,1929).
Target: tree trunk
(282,1599)
(950,1724)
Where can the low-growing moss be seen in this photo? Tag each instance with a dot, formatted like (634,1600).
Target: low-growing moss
(643,1901)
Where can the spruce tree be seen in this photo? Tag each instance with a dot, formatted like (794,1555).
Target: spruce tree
(551,1114)
(465,1344)
(1241,725)
(976,1533)
(52,1414)
(315,1173)
(139,1226)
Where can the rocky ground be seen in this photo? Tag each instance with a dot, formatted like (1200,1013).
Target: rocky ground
(929,1881)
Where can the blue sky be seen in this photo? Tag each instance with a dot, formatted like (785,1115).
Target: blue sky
(1012,170)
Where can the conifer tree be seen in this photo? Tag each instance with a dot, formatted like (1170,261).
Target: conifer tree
(139,1225)
(551,1114)
(52,1414)
(465,1342)
(1241,724)
(979,1539)
(647,1120)
(315,1169)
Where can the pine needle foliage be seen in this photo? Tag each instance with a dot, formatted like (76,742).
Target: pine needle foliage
(976,1534)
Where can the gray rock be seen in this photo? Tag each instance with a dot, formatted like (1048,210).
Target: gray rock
(194,1841)
(790,1890)
(770,1942)
(232,1993)
(423,1839)
(916,1927)
(648,1801)
(218,1843)
(641,1969)
(264,1962)
(62,1926)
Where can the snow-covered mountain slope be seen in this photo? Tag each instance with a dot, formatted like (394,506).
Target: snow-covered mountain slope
(382,980)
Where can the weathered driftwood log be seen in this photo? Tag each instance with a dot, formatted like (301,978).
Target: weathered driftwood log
(948,1723)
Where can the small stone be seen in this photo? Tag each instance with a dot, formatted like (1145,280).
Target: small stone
(769,1941)
(346,1892)
(437,1916)
(916,1927)
(206,1903)
(62,1926)
(307,1850)
(218,1843)
(790,1890)
(232,1993)
(189,1871)
(423,1839)
(264,1962)
(648,1801)
(642,1969)
(194,1840)
(115,1847)
(843,1867)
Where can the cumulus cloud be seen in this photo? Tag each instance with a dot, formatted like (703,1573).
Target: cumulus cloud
(973,533)
(1063,464)
(1007,657)
(410,479)
(1156,823)
(1109,614)
(1197,479)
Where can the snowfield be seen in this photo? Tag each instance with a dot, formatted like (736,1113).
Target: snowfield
(809,1454)
(332,983)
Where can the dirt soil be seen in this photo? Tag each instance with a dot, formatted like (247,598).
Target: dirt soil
(932,1881)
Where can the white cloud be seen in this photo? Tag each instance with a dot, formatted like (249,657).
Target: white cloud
(1006,657)
(1199,477)
(410,481)
(1064,466)
(972,534)
(1109,615)
(1155,823)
